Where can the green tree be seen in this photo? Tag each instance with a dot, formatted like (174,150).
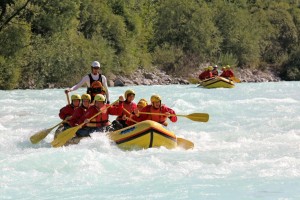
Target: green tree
(291,69)
(54,16)
(186,25)
(240,34)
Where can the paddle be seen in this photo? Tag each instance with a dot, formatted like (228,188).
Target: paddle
(68,99)
(235,79)
(129,115)
(198,117)
(184,143)
(68,134)
(42,134)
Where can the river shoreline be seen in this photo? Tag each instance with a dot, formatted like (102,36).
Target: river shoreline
(156,77)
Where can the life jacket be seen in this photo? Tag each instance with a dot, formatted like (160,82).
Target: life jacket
(215,72)
(229,73)
(205,75)
(96,87)
(223,74)
(78,113)
(157,118)
(100,120)
(129,107)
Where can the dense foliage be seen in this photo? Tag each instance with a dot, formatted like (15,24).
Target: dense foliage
(52,42)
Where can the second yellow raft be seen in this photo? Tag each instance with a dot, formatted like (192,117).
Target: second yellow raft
(217,82)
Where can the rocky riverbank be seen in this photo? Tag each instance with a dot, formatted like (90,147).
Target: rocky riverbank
(156,77)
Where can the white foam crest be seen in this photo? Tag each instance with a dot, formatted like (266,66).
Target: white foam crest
(266,101)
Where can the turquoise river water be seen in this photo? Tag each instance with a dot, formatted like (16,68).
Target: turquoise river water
(249,148)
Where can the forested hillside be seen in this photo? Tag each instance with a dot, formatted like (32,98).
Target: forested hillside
(53,42)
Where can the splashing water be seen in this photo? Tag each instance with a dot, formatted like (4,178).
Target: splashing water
(249,149)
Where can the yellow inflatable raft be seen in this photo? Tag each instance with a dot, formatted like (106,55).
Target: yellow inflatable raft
(217,82)
(143,135)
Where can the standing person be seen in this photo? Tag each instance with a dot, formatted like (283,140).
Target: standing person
(129,107)
(100,122)
(156,107)
(215,71)
(81,110)
(95,81)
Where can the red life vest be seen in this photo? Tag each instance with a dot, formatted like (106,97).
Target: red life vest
(223,74)
(96,87)
(229,73)
(78,113)
(215,72)
(100,120)
(157,118)
(205,75)
(129,106)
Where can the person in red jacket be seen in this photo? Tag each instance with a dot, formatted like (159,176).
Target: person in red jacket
(229,72)
(215,71)
(129,107)
(206,74)
(132,119)
(101,122)
(66,112)
(156,107)
(223,74)
(81,110)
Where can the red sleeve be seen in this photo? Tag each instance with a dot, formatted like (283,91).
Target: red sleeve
(230,74)
(62,113)
(202,76)
(89,113)
(115,110)
(66,111)
(166,109)
(75,117)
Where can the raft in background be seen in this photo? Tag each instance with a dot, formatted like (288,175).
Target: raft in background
(143,135)
(217,82)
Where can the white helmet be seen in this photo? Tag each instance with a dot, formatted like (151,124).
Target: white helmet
(96,64)
(216,66)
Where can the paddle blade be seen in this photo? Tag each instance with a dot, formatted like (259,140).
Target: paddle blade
(64,136)
(40,135)
(184,143)
(198,117)
(235,79)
